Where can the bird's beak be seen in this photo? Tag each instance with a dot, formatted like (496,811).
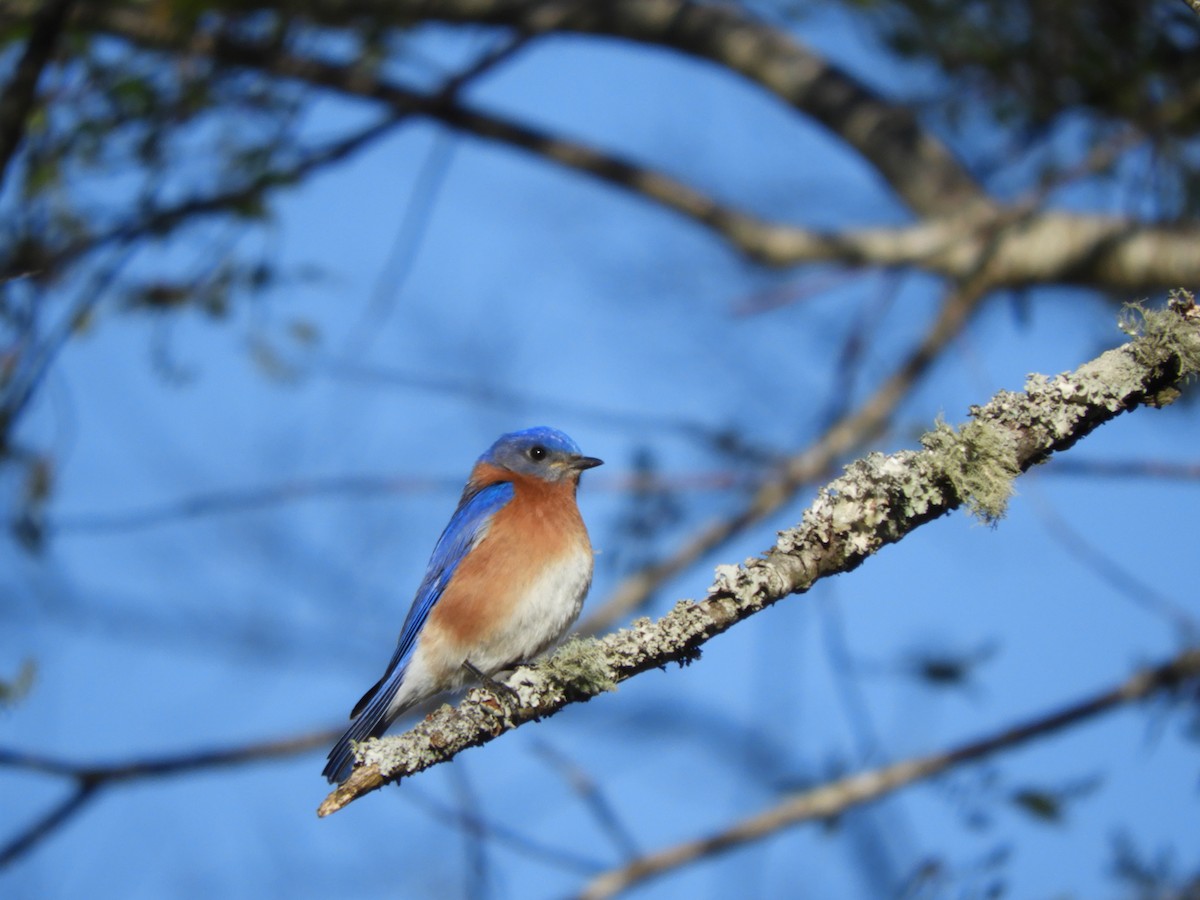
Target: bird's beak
(579,463)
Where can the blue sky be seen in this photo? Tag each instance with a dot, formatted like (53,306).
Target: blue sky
(216,630)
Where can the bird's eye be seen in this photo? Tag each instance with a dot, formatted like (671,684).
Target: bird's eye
(537,453)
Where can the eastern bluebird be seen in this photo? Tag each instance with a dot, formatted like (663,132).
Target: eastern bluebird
(505,581)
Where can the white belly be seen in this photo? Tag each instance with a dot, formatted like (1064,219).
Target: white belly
(548,607)
(545,608)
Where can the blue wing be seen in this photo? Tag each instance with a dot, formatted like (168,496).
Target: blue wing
(467,527)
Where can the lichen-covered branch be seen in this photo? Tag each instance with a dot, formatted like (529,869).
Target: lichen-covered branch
(836,797)
(811,464)
(878,501)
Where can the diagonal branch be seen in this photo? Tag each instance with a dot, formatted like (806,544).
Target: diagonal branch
(853,429)
(877,502)
(48,823)
(835,798)
(1020,244)
(914,163)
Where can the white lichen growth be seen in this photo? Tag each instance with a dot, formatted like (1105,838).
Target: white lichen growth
(580,665)
(1164,336)
(980,460)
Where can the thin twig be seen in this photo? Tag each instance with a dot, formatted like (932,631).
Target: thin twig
(504,835)
(1168,470)
(418,211)
(593,797)
(1107,566)
(475,847)
(50,822)
(164,219)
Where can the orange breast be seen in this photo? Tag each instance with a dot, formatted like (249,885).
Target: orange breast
(539,527)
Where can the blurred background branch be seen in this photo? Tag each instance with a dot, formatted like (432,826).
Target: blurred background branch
(829,801)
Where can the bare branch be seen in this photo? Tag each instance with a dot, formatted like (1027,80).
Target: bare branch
(1107,566)
(50,822)
(918,166)
(912,160)
(504,834)
(234,501)
(593,796)
(1021,244)
(90,779)
(837,797)
(877,502)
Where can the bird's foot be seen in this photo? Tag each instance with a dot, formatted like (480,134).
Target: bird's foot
(503,692)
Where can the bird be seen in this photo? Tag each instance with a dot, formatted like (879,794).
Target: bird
(506,579)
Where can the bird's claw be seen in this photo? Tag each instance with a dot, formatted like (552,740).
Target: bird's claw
(505,694)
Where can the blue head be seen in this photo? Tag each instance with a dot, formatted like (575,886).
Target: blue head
(543,452)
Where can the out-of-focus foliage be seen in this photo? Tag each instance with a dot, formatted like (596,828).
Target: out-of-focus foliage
(1035,65)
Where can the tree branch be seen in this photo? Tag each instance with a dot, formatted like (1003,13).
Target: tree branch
(17,100)
(1170,470)
(1022,244)
(835,798)
(89,780)
(853,429)
(877,502)
(918,166)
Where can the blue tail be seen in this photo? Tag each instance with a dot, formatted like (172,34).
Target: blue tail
(341,757)
(371,719)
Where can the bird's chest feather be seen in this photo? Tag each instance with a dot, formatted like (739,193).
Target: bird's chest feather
(551,601)
(523,584)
